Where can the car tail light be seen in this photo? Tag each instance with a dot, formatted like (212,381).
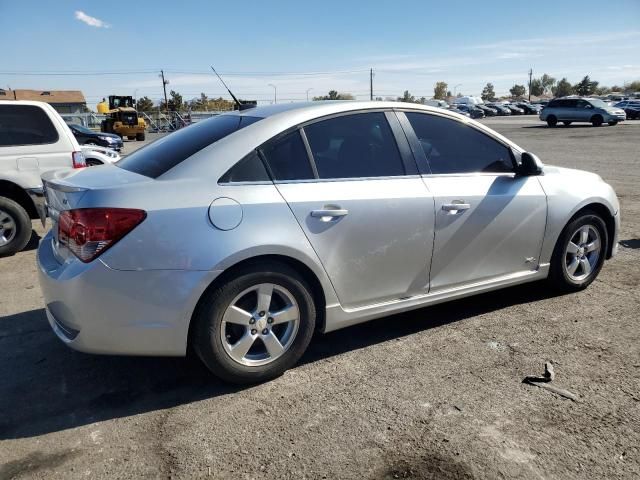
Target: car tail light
(78,160)
(88,232)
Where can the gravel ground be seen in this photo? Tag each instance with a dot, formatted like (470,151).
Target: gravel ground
(436,393)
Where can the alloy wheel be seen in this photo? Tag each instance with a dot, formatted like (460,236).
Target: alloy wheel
(260,324)
(7,228)
(582,253)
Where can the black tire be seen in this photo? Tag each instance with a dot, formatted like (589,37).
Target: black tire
(566,124)
(207,341)
(131,137)
(140,137)
(597,120)
(613,123)
(558,275)
(552,120)
(21,233)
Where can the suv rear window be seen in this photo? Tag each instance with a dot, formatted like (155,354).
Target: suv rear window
(25,125)
(162,155)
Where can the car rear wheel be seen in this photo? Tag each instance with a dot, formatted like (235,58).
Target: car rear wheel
(256,325)
(140,137)
(552,121)
(596,120)
(579,253)
(566,124)
(15,227)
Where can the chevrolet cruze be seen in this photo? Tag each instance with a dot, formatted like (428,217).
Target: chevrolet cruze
(241,235)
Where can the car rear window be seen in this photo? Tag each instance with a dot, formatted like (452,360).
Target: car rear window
(162,155)
(25,125)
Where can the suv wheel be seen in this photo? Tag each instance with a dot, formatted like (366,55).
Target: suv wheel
(596,120)
(579,254)
(15,227)
(552,120)
(256,325)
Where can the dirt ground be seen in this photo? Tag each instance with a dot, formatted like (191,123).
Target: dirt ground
(436,393)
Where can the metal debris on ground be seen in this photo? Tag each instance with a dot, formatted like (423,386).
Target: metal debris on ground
(545,382)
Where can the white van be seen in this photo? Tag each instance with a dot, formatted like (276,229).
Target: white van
(33,139)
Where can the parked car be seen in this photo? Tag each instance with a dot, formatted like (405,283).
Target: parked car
(95,155)
(514,109)
(500,108)
(528,108)
(287,219)
(453,109)
(631,108)
(488,111)
(33,139)
(86,136)
(592,110)
(471,109)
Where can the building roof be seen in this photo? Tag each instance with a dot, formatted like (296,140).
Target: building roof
(48,96)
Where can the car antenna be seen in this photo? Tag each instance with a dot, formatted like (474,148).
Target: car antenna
(241,106)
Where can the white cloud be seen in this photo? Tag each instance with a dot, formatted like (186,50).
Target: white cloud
(91,21)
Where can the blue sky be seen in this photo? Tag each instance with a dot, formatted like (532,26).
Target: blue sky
(409,44)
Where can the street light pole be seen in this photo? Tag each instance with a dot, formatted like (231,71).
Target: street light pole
(455,87)
(275,93)
(308,90)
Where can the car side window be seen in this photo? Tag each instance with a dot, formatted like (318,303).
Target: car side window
(287,158)
(354,146)
(453,147)
(583,104)
(249,169)
(25,125)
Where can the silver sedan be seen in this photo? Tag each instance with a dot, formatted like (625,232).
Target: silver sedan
(243,234)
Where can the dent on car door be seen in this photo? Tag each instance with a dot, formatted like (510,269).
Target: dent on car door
(489,221)
(369,221)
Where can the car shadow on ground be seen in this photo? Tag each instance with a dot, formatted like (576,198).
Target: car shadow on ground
(564,127)
(46,387)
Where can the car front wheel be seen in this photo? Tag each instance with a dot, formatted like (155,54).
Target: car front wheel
(579,253)
(256,325)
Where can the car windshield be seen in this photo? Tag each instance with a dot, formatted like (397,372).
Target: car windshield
(598,103)
(81,129)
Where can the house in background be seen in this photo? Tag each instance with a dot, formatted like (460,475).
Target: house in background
(64,101)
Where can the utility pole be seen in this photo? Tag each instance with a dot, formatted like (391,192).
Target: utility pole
(371,84)
(164,87)
(530,74)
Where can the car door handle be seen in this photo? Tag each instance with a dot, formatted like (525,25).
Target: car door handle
(455,207)
(327,214)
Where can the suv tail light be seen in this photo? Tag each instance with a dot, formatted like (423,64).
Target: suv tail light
(88,232)
(78,160)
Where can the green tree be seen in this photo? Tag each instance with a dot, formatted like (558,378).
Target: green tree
(517,91)
(586,86)
(487,92)
(536,87)
(334,95)
(440,90)
(144,104)
(562,88)
(603,90)
(632,87)
(407,97)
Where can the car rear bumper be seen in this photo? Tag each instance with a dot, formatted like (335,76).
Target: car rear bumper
(96,309)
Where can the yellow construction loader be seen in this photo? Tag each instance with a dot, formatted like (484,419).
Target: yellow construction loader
(122,117)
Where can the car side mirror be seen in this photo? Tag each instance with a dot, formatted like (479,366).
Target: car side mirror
(530,165)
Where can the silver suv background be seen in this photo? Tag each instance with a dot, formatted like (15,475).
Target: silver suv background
(590,110)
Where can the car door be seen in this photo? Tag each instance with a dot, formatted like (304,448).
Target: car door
(489,222)
(361,204)
(583,110)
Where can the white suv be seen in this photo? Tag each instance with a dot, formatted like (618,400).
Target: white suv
(33,139)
